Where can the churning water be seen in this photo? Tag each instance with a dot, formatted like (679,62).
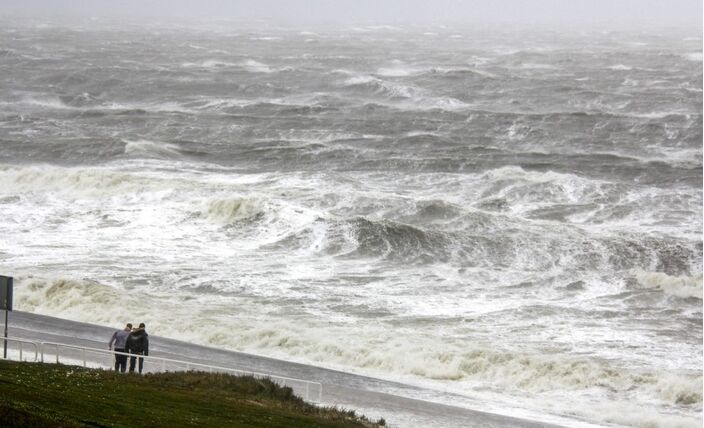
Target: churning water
(514,217)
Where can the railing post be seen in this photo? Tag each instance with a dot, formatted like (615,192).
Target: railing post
(40,350)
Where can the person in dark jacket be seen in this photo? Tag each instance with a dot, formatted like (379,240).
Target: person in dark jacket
(119,341)
(138,343)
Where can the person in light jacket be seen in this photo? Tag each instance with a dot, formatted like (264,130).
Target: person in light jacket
(119,341)
(138,343)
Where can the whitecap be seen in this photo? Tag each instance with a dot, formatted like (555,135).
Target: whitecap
(256,66)
(395,72)
(151,149)
(266,38)
(46,102)
(210,63)
(677,286)
(535,66)
(360,80)
(234,209)
(620,67)
(694,56)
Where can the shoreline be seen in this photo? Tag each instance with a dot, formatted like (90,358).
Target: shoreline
(363,394)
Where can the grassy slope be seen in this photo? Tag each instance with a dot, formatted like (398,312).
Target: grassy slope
(48,395)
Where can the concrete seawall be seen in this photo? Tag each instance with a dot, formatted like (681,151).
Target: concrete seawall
(372,397)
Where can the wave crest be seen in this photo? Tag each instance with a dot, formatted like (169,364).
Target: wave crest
(154,149)
(677,286)
(394,240)
(69,298)
(380,351)
(508,371)
(227,211)
(81,181)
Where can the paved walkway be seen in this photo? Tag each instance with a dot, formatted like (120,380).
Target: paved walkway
(372,397)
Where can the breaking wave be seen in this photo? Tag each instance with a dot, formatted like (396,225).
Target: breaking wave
(94,182)
(677,286)
(146,148)
(227,211)
(484,217)
(77,299)
(249,65)
(85,300)
(379,351)
(411,97)
(394,240)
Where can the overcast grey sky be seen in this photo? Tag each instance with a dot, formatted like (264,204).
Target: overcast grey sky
(599,13)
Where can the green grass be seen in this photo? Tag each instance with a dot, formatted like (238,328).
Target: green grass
(49,395)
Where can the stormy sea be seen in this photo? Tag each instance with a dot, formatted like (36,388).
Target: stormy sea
(511,216)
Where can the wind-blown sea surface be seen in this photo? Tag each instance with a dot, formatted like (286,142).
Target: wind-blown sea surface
(512,216)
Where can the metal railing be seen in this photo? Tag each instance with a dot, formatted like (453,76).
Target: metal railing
(311,391)
(21,342)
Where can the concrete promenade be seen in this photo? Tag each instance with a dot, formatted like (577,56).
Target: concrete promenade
(397,403)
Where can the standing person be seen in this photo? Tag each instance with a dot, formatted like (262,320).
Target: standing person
(119,339)
(138,343)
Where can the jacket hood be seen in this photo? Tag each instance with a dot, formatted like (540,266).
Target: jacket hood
(139,333)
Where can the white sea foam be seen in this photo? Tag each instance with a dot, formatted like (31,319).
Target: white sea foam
(677,286)
(356,247)
(210,63)
(443,103)
(410,97)
(72,298)
(256,66)
(221,103)
(633,415)
(694,56)
(152,149)
(266,38)
(45,101)
(233,209)
(515,181)
(620,67)
(52,102)
(396,72)
(379,352)
(250,65)
(398,90)
(360,80)
(75,181)
(536,66)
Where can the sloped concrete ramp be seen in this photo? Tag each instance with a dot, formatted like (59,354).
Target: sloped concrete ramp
(397,403)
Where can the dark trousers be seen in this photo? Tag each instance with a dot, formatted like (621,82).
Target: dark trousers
(132,361)
(120,361)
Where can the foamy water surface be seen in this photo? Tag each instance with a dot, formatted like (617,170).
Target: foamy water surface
(517,220)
